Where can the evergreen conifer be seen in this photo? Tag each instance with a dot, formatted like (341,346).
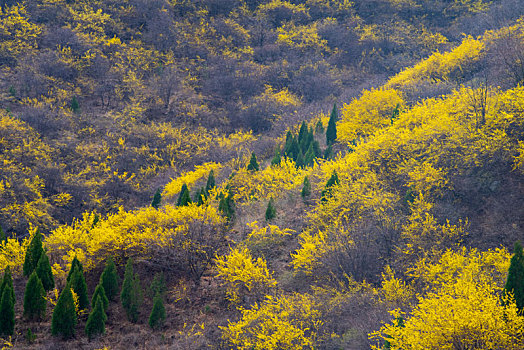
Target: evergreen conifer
(64,315)
(109,280)
(277,158)
(44,272)
(184,198)
(100,293)
(319,128)
(300,160)
(226,206)
(328,153)
(75,264)
(131,295)
(3,237)
(309,157)
(96,322)
(271,211)
(302,133)
(75,106)
(34,298)
(210,184)
(306,189)
(157,198)
(7,312)
(33,253)
(331,132)
(79,285)
(515,281)
(333,180)
(253,164)
(158,313)
(7,281)
(158,285)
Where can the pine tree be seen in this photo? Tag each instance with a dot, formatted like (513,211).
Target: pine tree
(302,133)
(100,293)
(158,285)
(127,285)
(158,313)
(44,272)
(96,322)
(210,184)
(7,281)
(184,198)
(295,149)
(253,164)
(271,211)
(109,280)
(201,196)
(7,312)
(131,295)
(333,180)
(79,285)
(331,132)
(316,149)
(515,281)
(319,128)
(300,160)
(157,198)
(277,158)
(306,189)
(309,157)
(64,315)
(34,298)
(3,237)
(75,106)
(33,253)
(75,264)
(288,145)
(226,206)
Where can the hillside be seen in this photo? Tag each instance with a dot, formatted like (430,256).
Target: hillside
(283,175)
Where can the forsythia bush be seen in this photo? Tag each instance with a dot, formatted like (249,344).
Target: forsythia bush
(285,322)
(239,270)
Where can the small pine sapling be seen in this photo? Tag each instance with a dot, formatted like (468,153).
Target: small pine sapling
(306,188)
(157,198)
(44,272)
(33,253)
(109,280)
(7,312)
(158,313)
(100,293)
(271,211)
(64,315)
(35,302)
(96,322)
(253,164)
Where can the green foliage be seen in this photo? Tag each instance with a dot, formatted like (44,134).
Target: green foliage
(306,188)
(3,237)
(100,293)
(226,206)
(515,281)
(158,285)
(7,312)
(96,322)
(75,264)
(29,336)
(157,198)
(131,295)
(200,196)
(303,133)
(309,157)
(44,272)
(7,282)
(79,285)
(109,279)
(75,106)
(184,198)
(319,128)
(210,183)
(253,164)
(158,313)
(277,158)
(326,192)
(300,160)
(331,132)
(34,298)
(271,211)
(64,315)
(33,253)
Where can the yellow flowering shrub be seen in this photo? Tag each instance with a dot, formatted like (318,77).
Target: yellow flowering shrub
(285,322)
(271,181)
(463,308)
(240,270)
(201,172)
(363,116)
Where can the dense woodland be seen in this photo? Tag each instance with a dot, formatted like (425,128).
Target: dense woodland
(238,174)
